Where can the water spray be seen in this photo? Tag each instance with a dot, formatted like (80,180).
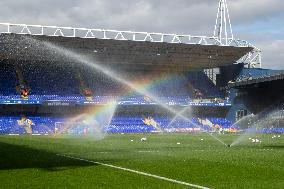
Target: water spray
(111,74)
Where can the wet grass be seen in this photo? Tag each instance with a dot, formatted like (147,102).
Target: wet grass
(33,161)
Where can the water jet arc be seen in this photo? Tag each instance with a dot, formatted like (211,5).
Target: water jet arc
(78,58)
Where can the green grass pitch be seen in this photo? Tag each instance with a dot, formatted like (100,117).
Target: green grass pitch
(34,162)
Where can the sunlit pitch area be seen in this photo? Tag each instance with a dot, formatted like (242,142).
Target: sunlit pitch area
(140,161)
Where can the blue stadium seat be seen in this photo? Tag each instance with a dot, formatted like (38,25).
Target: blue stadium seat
(120,124)
(59,82)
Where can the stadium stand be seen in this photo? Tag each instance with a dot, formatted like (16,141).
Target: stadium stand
(254,73)
(56,81)
(47,84)
(8,80)
(67,84)
(124,124)
(202,83)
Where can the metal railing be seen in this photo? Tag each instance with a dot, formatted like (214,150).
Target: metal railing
(115,35)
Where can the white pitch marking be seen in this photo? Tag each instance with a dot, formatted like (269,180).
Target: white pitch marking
(103,152)
(145,151)
(137,172)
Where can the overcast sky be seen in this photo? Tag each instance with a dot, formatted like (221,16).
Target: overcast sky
(258,21)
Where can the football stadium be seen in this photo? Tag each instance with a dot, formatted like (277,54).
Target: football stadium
(97,108)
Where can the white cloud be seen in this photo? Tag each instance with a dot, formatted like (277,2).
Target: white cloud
(247,11)
(273,54)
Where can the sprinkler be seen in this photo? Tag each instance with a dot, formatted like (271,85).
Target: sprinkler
(229,145)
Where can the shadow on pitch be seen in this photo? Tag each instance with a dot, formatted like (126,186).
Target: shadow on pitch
(22,157)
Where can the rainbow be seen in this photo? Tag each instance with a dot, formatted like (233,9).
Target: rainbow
(94,119)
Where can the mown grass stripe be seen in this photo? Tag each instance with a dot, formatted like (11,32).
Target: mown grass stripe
(137,172)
